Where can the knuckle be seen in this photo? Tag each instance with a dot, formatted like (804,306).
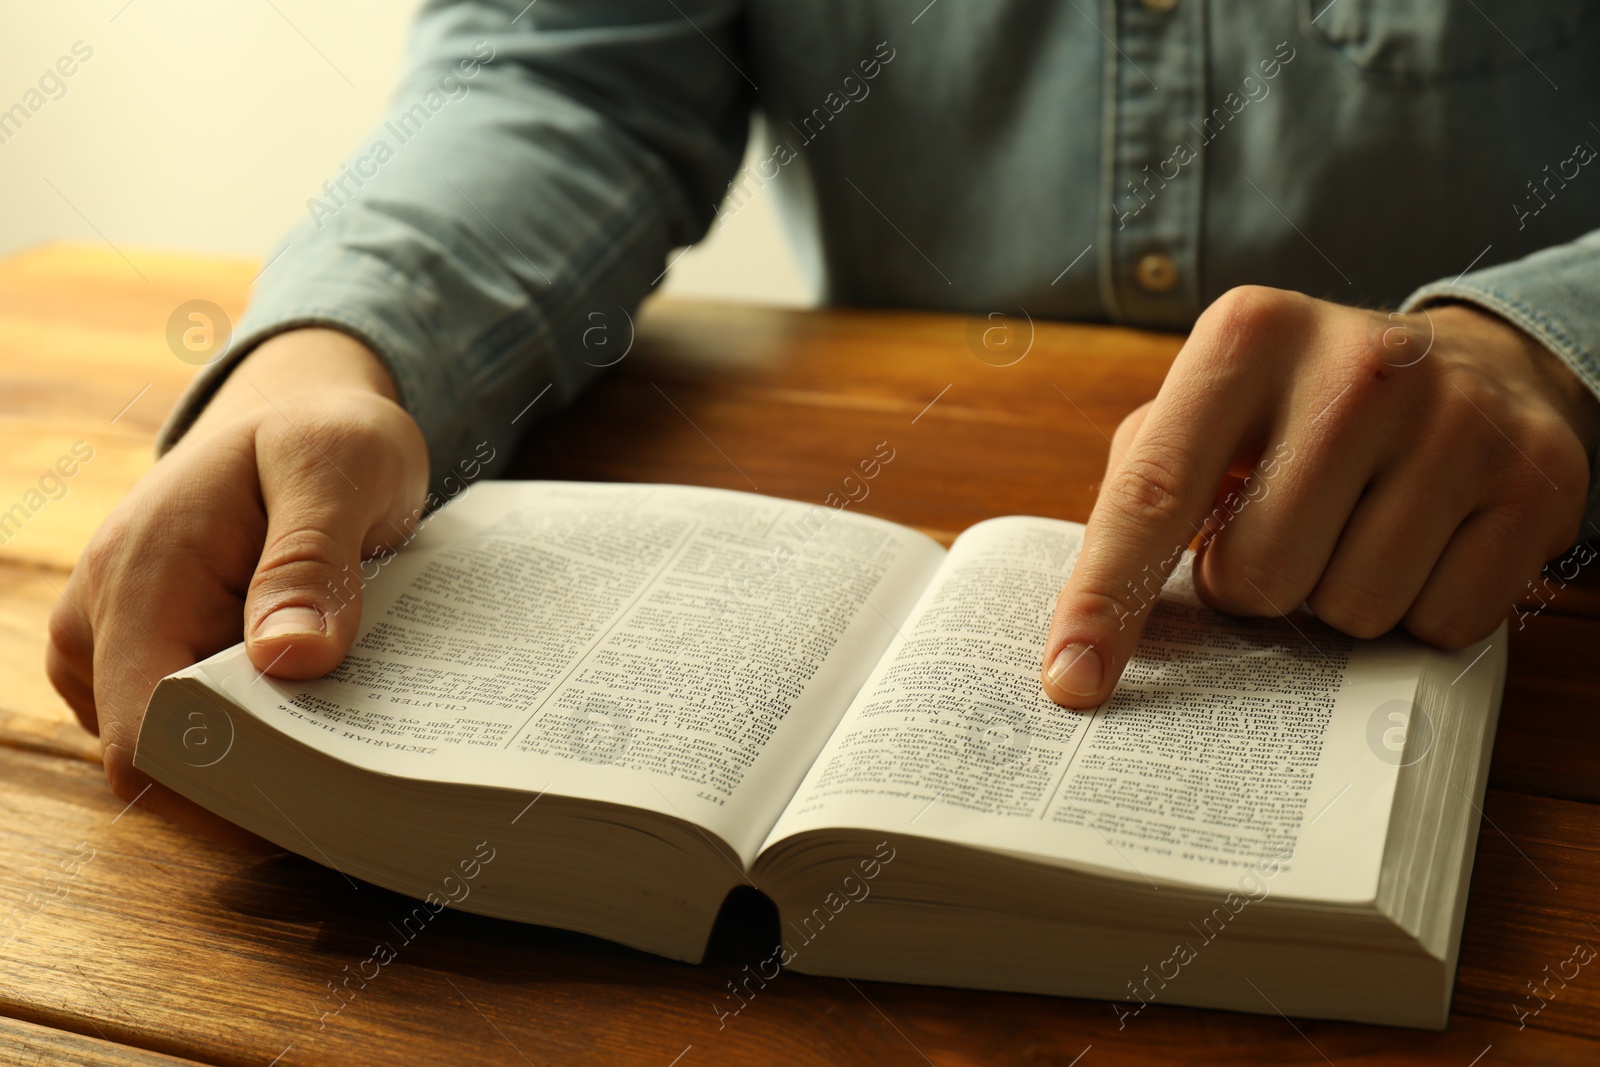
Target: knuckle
(1243,583)
(1248,308)
(67,677)
(1397,341)
(1382,368)
(1113,610)
(125,781)
(361,428)
(61,673)
(1452,626)
(1149,488)
(315,457)
(1243,317)
(1541,472)
(341,430)
(67,633)
(1356,609)
(1552,447)
(293,555)
(1565,528)
(1441,632)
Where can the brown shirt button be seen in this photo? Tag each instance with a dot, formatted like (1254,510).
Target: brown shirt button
(1156,273)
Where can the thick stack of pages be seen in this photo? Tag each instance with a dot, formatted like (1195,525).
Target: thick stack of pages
(603,707)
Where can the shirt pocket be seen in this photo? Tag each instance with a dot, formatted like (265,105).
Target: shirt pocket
(1443,40)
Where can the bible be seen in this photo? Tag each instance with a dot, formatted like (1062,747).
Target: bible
(604,707)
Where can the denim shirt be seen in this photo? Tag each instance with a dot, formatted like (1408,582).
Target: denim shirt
(1116,161)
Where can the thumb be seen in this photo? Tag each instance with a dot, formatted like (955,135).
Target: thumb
(303,607)
(304,604)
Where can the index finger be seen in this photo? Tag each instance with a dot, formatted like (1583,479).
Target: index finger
(126,675)
(1206,413)
(134,648)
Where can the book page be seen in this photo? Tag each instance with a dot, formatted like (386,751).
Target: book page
(680,649)
(1229,744)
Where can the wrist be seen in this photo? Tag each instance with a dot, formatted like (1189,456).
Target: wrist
(1557,382)
(312,360)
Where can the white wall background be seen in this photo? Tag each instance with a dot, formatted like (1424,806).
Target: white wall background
(204,125)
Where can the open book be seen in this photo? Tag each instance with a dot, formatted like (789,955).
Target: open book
(603,707)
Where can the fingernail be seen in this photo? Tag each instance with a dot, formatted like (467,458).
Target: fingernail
(287,622)
(1076,669)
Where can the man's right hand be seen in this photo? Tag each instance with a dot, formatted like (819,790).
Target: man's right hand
(252,527)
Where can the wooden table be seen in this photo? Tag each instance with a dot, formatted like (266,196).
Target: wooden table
(167,946)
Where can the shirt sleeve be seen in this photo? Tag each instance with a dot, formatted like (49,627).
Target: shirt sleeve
(1553,295)
(536,165)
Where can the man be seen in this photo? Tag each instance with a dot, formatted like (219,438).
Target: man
(1151,162)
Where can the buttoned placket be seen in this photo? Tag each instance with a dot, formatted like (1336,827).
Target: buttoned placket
(1152,160)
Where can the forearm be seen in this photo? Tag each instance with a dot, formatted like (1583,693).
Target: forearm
(528,177)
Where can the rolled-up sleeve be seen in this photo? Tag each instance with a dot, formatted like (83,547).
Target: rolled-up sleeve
(1554,295)
(535,168)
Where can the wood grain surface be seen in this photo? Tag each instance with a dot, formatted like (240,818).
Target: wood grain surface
(130,942)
